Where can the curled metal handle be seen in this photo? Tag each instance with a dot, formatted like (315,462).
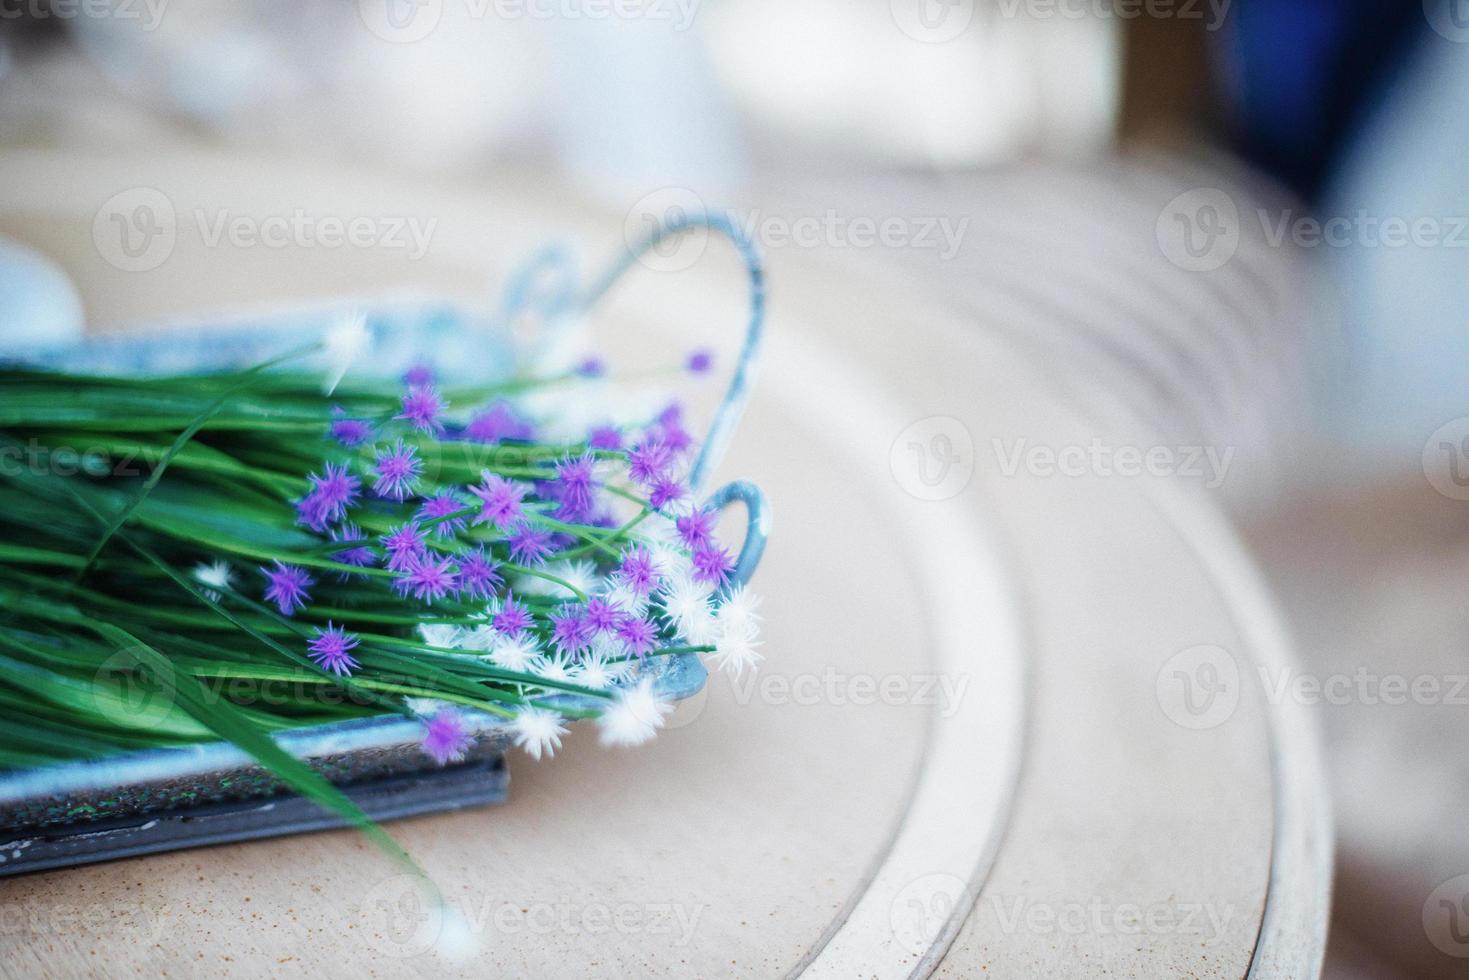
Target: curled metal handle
(721,430)
(757,527)
(561,300)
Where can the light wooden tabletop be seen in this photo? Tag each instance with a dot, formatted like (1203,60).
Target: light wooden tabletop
(1006,725)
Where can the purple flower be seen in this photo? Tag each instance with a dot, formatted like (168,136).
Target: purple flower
(497,422)
(442,505)
(675,437)
(570,630)
(500,501)
(311,512)
(358,554)
(697,526)
(638,635)
(605,437)
(349,432)
(602,615)
(331,494)
(403,544)
(665,491)
(592,367)
(512,618)
(332,650)
(429,579)
(530,546)
(648,461)
(574,487)
(700,361)
(637,571)
(288,585)
(419,375)
(422,407)
(479,575)
(398,470)
(670,431)
(712,564)
(445,739)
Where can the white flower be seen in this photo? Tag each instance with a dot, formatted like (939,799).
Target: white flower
(515,653)
(686,605)
(599,669)
(671,562)
(581,574)
(660,530)
(739,612)
(626,599)
(481,639)
(444,635)
(635,717)
(534,585)
(426,707)
(538,730)
(734,651)
(556,667)
(345,341)
(217,575)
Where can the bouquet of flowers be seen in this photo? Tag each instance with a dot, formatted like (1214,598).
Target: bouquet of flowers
(458,554)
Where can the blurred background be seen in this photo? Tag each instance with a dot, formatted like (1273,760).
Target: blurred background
(1301,296)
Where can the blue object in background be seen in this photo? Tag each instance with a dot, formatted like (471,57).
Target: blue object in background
(39,306)
(1300,75)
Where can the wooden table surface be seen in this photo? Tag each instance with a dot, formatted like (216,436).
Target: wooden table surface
(974,748)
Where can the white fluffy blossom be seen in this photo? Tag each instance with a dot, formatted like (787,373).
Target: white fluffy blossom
(426,707)
(739,612)
(554,667)
(734,651)
(686,605)
(538,731)
(599,668)
(515,653)
(214,576)
(481,639)
(626,599)
(580,574)
(443,635)
(635,716)
(345,342)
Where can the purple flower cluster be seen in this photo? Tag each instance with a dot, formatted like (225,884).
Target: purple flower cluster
(383,516)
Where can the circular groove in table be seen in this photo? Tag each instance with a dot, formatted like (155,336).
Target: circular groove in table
(957,813)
